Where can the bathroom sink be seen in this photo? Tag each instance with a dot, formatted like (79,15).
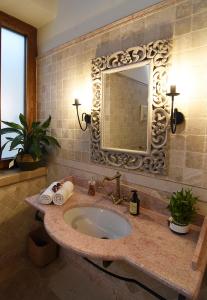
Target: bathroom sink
(97,222)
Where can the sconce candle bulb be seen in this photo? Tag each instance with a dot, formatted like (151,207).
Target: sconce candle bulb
(76,102)
(85,117)
(176,117)
(173,89)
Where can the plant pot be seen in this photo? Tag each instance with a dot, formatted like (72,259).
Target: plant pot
(178,228)
(4,164)
(26,162)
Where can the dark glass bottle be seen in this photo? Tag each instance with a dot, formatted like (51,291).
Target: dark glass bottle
(134,204)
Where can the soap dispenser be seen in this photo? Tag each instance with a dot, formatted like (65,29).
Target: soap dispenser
(134,203)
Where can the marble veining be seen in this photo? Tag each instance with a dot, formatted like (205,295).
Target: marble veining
(151,246)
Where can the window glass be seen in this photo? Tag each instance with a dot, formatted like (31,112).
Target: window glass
(12,80)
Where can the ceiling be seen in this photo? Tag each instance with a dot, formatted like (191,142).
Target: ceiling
(35,12)
(59,21)
(40,12)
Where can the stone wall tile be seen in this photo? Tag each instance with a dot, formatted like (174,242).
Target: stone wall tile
(184,9)
(194,160)
(195,143)
(183,26)
(199,6)
(199,21)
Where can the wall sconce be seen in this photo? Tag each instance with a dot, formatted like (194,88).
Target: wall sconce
(176,117)
(85,117)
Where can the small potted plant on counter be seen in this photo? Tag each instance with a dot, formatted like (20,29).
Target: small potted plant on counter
(183,210)
(31,141)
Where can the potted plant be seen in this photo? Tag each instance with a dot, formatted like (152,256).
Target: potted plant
(31,141)
(182,208)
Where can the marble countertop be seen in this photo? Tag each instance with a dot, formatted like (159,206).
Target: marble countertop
(151,246)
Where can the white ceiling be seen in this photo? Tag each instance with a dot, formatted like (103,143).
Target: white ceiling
(59,21)
(78,17)
(40,12)
(35,12)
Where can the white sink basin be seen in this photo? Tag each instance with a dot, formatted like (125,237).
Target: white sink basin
(97,222)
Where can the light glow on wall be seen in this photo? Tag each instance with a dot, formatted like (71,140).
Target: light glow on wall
(181,74)
(83,92)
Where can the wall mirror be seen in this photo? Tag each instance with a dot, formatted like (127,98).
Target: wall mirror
(130,111)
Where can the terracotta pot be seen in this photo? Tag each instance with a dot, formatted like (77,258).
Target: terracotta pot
(178,228)
(4,164)
(26,163)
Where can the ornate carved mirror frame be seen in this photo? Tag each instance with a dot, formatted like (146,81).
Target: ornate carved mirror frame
(158,54)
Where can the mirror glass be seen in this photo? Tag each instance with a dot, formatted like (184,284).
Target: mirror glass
(126,108)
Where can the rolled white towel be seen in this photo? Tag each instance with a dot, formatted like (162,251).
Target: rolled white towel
(64,193)
(47,196)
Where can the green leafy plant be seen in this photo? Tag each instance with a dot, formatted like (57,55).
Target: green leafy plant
(182,206)
(29,139)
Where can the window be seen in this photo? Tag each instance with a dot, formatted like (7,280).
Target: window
(18,49)
(12,79)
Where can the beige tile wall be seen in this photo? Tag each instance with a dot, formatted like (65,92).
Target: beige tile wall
(66,73)
(16,218)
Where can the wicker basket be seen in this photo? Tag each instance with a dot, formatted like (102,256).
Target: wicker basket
(41,248)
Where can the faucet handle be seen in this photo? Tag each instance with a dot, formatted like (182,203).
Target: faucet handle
(114,199)
(118,201)
(126,199)
(111,195)
(118,174)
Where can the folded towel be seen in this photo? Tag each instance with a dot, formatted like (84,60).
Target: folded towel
(47,196)
(64,193)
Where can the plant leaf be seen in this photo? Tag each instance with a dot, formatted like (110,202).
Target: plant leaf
(2,147)
(23,121)
(52,140)
(13,125)
(35,124)
(46,124)
(18,140)
(9,138)
(35,149)
(9,130)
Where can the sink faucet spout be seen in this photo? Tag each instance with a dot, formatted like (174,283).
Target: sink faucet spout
(117,197)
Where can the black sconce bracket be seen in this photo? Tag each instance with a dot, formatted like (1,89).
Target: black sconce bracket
(176,117)
(85,117)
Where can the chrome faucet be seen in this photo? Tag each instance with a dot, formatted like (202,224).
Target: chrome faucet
(116,197)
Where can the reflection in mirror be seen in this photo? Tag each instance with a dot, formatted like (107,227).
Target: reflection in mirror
(126,99)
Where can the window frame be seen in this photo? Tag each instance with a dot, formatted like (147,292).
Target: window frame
(30,33)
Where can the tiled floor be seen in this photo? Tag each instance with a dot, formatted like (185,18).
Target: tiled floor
(71,278)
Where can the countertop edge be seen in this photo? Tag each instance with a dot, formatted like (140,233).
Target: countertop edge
(14,176)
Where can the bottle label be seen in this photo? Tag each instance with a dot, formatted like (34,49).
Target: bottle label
(133,208)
